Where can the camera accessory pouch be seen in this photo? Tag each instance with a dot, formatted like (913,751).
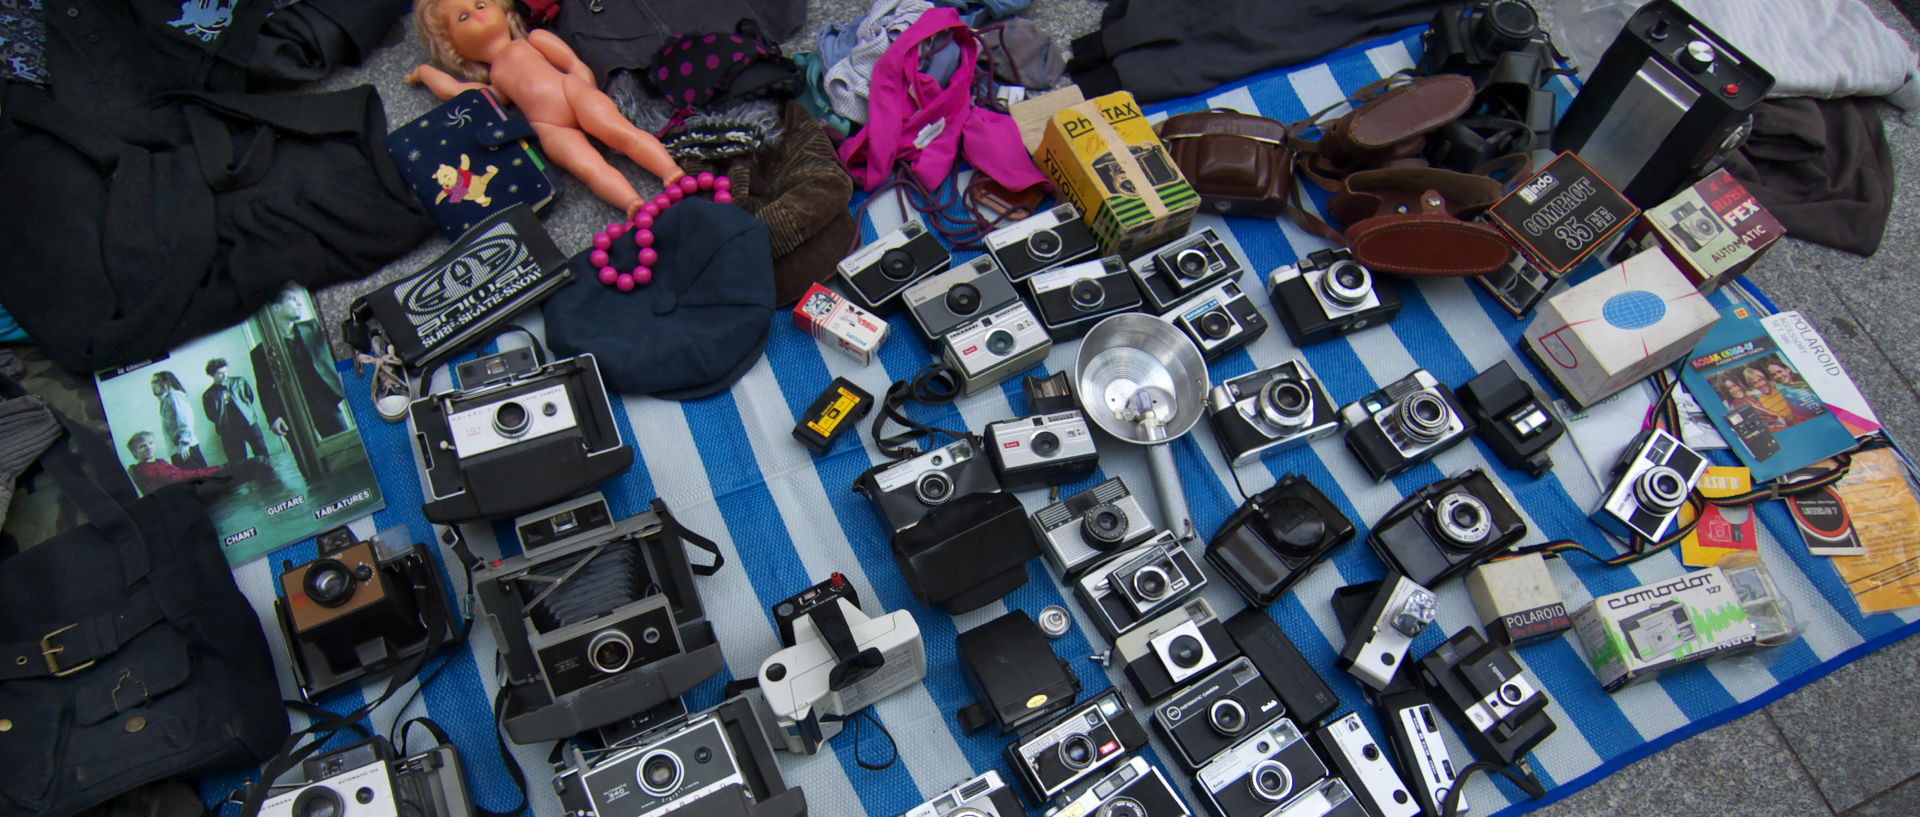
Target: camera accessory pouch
(1386,129)
(1240,164)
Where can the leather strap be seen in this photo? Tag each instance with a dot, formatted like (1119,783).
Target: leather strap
(69,649)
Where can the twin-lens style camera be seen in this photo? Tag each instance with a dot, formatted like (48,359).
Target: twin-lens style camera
(1047,449)
(1071,299)
(1183,267)
(880,271)
(1404,424)
(1270,410)
(1080,743)
(1329,295)
(1041,241)
(1445,528)
(1650,486)
(1275,537)
(1219,320)
(1134,585)
(1217,711)
(1089,526)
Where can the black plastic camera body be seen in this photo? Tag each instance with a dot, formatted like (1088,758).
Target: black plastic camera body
(1405,423)
(358,611)
(1328,295)
(1275,537)
(877,273)
(1445,528)
(1514,420)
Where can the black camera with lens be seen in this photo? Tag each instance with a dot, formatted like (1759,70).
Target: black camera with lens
(1651,483)
(1133,789)
(1074,746)
(1136,584)
(1329,295)
(943,302)
(877,273)
(518,434)
(1271,410)
(1045,449)
(1185,266)
(1041,241)
(1514,420)
(1173,649)
(1275,537)
(1501,46)
(367,779)
(1498,706)
(959,540)
(1071,299)
(1445,528)
(904,492)
(717,762)
(1217,711)
(1261,775)
(1219,319)
(359,610)
(1089,526)
(1405,423)
(596,619)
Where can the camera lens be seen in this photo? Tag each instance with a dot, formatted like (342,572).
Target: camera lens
(1122,807)
(1043,244)
(1510,693)
(1271,781)
(319,801)
(897,264)
(963,299)
(610,651)
(968,811)
(1087,293)
(934,488)
(1424,416)
(1186,652)
(1463,518)
(1660,489)
(1346,283)
(1077,752)
(510,419)
(1227,716)
(1296,525)
(1104,526)
(1045,444)
(1505,25)
(659,772)
(328,583)
(1000,342)
(1150,583)
(1190,263)
(1284,402)
(1215,324)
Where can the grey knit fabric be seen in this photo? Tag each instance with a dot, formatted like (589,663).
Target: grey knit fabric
(27,429)
(848,79)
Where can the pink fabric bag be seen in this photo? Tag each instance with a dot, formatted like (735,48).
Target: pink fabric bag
(913,119)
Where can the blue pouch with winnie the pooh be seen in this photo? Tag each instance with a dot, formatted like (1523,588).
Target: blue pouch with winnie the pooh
(469,159)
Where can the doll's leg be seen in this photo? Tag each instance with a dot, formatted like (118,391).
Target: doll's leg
(569,148)
(600,117)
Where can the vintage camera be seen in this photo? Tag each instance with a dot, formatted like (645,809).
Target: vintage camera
(1219,320)
(1135,584)
(1135,789)
(1083,742)
(1496,704)
(1658,630)
(1307,697)
(366,780)
(1088,526)
(968,552)
(1041,241)
(1218,710)
(1271,410)
(942,302)
(1014,675)
(1754,433)
(1073,298)
(1694,226)
(1329,295)
(1516,423)
(595,620)
(1173,648)
(903,492)
(1404,424)
(1275,537)
(518,434)
(1407,715)
(1358,759)
(982,796)
(837,662)
(1447,527)
(359,610)
(1153,160)
(714,762)
(1185,266)
(1651,483)
(1048,449)
(996,346)
(880,271)
(1259,775)
(1377,645)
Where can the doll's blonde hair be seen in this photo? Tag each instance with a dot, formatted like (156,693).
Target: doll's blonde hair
(433,34)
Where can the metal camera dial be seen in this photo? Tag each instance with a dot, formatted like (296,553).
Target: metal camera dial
(1271,781)
(1347,283)
(610,651)
(1423,416)
(1044,244)
(1660,489)
(1104,526)
(1284,402)
(1227,717)
(1463,518)
(659,773)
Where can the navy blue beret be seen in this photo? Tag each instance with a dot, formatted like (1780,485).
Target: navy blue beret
(697,328)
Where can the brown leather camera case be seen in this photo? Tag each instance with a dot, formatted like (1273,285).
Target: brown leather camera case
(1239,163)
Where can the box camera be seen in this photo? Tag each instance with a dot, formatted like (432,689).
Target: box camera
(1694,226)
(1216,711)
(837,663)
(1071,299)
(1306,696)
(1136,788)
(1173,648)
(1041,241)
(903,492)
(1079,744)
(1499,708)
(1091,525)
(1275,537)
(1261,774)
(1651,483)
(1404,424)
(596,620)
(942,302)
(518,434)
(366,780)
(878,272)
(1516,423)
(982,796)
(1399,611)
(1328,295)
(1135,584)
(1754,433)
(1271,410)
(359,610)
(1015,677)
(1358,759)
(1219,320)
(1048,449)
(718,762)
(1183,267)
(1447,527)
(996,346)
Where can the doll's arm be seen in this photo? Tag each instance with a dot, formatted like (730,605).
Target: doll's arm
(441,83)
(560,54)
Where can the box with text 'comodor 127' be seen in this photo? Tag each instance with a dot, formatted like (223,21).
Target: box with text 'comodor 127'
(1633,634)
(1103,156)
(1617,328)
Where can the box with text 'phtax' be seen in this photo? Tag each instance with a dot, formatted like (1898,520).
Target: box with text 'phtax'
(1619,327)
(1630,635)
(1104,157)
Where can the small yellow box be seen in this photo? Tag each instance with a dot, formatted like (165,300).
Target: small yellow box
(1103,156)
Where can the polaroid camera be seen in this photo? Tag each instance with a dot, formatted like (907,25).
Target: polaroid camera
(837,662)
(717,762)
(359,610)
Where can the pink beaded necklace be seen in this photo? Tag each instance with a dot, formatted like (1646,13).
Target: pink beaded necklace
(641,224)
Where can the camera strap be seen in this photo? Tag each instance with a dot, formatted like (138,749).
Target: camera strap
(934,385)
(684,534)
(506,756)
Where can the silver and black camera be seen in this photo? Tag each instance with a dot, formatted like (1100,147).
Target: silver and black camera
(714,762)
(1496,704)
(879,271)
(1400,611)
(1048,449)
(836,663)
(518,433)
(1183,267)
(1404,424)
(1174,648)
(1042,241)
(1071,299)
(1651,484)
(1080,743)
(1328,295)
(942,302)
(1275,409)
(1217,711)
(366,780)
(1359,760)
(1260,775)
(596,619)
(1135,789)
(1135,584)
(996,346)
(1088,526)
(903,492)
(1694,226)
(1445,528)
(1219,320)
(982,796)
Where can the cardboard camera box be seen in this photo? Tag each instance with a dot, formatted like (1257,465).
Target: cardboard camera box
(1563,214)
(1714,230)
(1619,327)
(1630,635)
(1103,156)
(838,323)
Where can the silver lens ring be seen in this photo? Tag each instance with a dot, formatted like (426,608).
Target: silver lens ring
(933,488)
(1285,402)
(1190,263)
(1144,583)
(1044,243)
(1660,488)
(1122,807)
(1271,781)
(1463,518)
(658,772)
(605,639)
(1423,416)
(1227,716)
(1347,283)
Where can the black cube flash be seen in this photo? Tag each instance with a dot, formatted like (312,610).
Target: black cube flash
(1514,421)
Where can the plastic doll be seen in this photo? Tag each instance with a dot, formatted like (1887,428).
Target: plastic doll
(483,44)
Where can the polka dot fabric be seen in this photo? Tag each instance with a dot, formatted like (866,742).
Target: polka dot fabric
(693,70)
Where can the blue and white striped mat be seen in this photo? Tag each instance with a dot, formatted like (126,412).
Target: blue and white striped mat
(785,519)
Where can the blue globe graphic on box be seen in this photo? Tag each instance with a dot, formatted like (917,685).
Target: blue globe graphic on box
(1637,309)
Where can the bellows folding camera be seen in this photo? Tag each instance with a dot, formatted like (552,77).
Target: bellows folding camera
(837,662)
(359,610)
(518,434)
(367,780)
(1275,537)
(1275,409)
(1445,528)
(1404,424)
(1328,295)
(1041,241)
(718,762)
(1183,267)
(596,620)
(878,272)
